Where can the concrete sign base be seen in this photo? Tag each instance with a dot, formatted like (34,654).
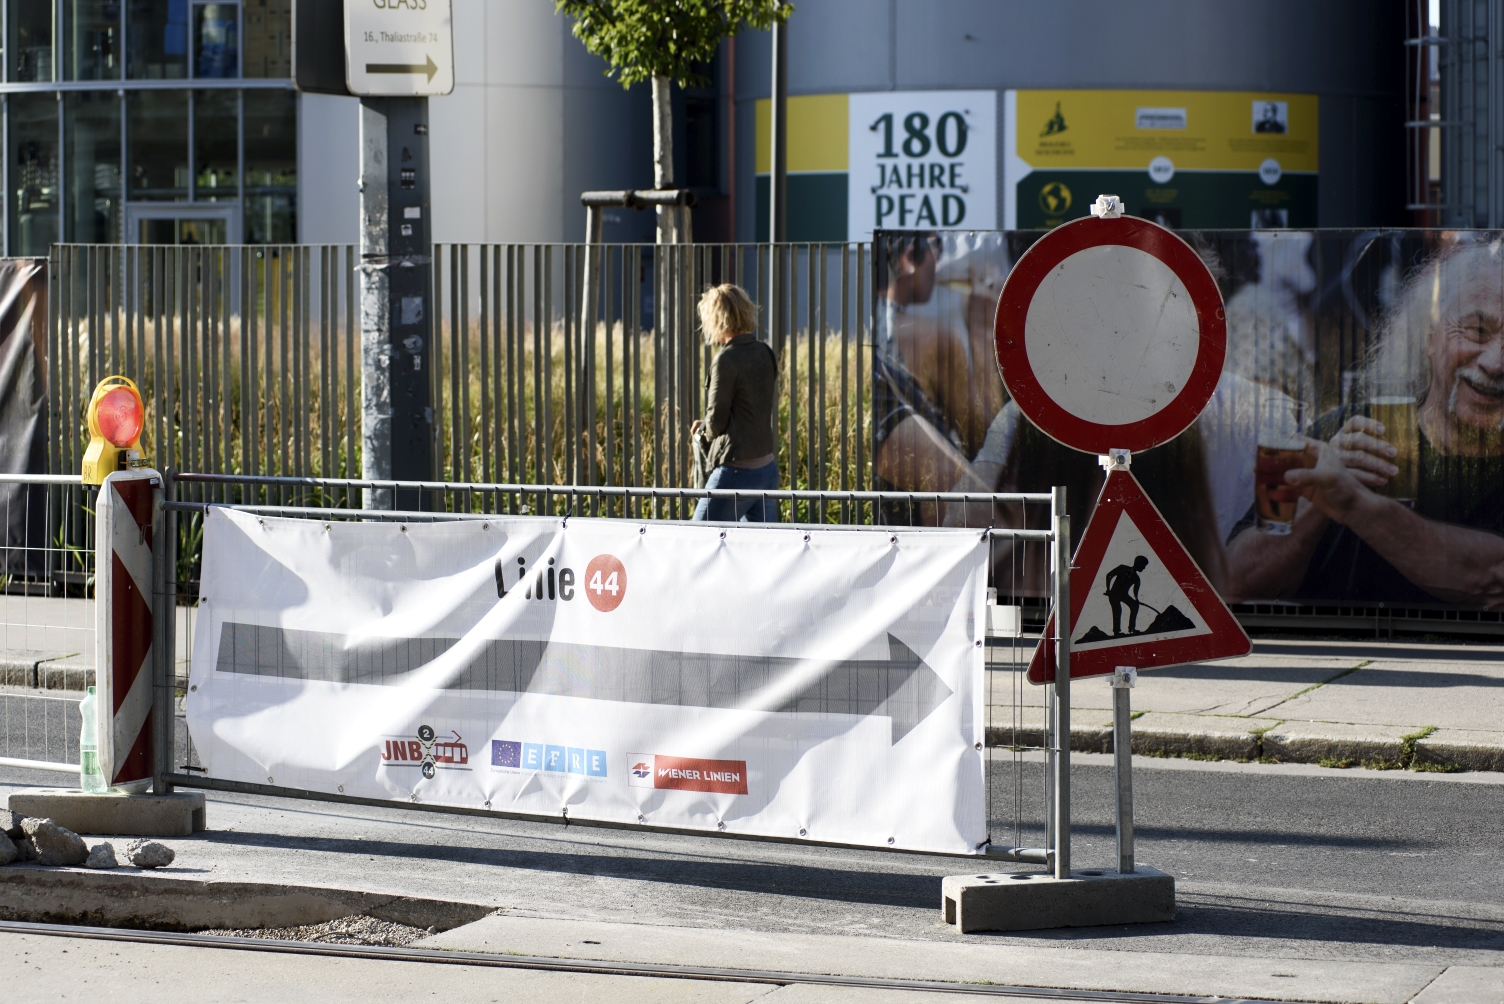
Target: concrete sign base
(179,814)
(1037,901)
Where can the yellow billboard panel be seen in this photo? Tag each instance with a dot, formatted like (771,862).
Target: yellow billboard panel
(1196,130)
(816,133)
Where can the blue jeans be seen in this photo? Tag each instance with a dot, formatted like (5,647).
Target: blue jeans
(745,510)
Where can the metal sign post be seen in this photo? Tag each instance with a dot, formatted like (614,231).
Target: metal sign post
(1060,741)
(1110,338)
(395,57)
(1124,678)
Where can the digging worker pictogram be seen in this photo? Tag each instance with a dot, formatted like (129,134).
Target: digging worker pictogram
(1122,588)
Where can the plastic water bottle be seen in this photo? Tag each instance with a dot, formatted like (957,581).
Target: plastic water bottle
(91,779)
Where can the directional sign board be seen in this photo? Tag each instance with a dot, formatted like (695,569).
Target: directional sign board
(1137,597)
(1110,334)
(399,48)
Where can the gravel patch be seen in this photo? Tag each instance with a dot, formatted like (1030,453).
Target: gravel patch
(344,931)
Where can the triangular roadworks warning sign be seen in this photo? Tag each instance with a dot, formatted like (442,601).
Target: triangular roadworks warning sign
(1137,597)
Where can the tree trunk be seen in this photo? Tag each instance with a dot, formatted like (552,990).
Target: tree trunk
(663,158)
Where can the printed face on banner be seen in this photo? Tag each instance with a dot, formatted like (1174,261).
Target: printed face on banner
(922,160)
(1415,347)
(823,682)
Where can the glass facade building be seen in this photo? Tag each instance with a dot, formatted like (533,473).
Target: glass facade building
(148,121)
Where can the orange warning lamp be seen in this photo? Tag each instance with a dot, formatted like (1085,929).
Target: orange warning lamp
(116,418)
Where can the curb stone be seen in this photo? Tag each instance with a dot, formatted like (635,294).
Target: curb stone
(1313,742)
(1452,748)
(1286,742)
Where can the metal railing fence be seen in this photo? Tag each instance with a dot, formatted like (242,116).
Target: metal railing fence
(603,391)
(1021,720)
(246,356)
(549,364)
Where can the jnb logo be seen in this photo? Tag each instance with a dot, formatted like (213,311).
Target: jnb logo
(548,759)
(427,752)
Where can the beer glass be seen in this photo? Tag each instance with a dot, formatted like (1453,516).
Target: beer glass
(1281,447)
(1392,402)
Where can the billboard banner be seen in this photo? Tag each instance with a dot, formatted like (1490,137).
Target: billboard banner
(1352,452)
(823,684)
(1180,158)
(882,159)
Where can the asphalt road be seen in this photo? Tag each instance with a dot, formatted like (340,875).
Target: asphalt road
(1277,861)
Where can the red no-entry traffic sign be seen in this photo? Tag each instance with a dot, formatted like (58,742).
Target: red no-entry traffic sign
(1137,597)
(1110,334)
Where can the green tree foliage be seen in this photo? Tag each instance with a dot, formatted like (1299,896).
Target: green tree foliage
(643,39)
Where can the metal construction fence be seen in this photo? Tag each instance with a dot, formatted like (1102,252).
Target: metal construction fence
(40,727)
(550,364)
(46,617)
(1022,722)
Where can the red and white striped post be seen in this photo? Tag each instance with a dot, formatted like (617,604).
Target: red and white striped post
(128,524)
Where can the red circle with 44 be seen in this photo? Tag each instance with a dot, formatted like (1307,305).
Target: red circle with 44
(605,582)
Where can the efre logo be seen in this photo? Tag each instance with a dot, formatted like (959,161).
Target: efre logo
(605,582)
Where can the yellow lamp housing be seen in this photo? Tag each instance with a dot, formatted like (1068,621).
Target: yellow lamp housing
(116,417)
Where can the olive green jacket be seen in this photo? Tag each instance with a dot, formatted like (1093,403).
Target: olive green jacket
(741,391)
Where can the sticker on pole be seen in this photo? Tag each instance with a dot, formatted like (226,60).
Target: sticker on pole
(1111,334)
(399,49)
(1137,597)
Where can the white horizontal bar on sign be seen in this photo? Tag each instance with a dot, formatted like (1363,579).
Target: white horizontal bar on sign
(1004,621)
(41,479)
(63,768)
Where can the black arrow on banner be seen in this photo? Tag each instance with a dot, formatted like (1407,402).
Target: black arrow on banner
(427,67)
(901,687)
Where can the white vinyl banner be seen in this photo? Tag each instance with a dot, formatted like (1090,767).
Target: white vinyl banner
(823,684)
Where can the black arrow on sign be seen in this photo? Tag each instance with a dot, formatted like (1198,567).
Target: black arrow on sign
(901,687)
(430,68)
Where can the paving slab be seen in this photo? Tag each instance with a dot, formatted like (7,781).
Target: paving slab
(33,967)
(892,958)
(1389,692)
(1464,985)
(1248,685)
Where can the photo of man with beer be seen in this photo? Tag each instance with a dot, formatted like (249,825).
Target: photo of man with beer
(1401,492)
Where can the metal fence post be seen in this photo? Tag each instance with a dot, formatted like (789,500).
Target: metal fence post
(1123,679)
(1061,741)
(164,637)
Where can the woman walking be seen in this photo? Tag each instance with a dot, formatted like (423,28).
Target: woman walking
(736,435)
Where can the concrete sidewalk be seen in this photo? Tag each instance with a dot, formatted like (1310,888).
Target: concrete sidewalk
(1294,882)
(1383,705)
(615,895)
(47,643)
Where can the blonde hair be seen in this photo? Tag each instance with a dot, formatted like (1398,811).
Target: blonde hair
(726,310)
